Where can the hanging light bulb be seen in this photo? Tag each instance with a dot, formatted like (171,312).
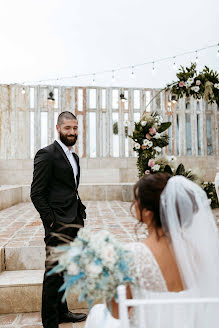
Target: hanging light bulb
(132,75)
(174,63)
(153,68)
(196,58)
(113,77)
(93,80)
(23,91)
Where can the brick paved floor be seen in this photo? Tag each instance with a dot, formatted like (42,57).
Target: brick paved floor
(20,225)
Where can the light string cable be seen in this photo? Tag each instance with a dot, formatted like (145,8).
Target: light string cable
(122,68)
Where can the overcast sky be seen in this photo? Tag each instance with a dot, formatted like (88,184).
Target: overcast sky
(41,39)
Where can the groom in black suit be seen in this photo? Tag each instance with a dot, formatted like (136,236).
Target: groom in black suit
(54,193)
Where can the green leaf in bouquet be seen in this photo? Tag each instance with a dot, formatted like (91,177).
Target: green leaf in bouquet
(168,169)
(163,127)
(180,169)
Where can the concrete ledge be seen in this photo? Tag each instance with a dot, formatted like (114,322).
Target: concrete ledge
(21,291)
(11,195)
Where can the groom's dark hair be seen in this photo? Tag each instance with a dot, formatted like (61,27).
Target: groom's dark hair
(147,193)
(65,116)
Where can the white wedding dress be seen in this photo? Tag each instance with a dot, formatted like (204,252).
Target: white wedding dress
(189,225)
(149,284)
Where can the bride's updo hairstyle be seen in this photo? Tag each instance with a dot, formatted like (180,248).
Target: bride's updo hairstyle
(147,193)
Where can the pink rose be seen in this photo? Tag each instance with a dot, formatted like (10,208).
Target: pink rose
(181,84)
(147,172)
(151,162)
(143,147)
(152,131)
(198,82)
(148,136)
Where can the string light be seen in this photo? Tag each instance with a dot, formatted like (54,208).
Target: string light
(132,75)
(153,68)
(174,63)
(23,91)
(93,80)
(218,50)
(128,67)
(196,58)
(113,77)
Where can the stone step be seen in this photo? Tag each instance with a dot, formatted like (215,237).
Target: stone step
(24,258)
(11,195)
(21,291)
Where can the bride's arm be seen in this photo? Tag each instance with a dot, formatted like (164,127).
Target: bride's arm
(115,306)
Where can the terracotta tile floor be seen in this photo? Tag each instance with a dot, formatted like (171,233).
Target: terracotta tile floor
(20,225)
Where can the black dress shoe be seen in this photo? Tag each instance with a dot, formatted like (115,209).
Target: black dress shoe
(72,317)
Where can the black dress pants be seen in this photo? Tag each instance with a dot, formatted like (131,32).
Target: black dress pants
(52,306)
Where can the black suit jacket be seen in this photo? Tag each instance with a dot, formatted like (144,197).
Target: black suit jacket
(53,190)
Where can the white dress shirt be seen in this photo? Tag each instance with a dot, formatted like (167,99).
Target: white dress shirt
(69,154)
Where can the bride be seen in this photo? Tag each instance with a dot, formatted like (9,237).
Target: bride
(179,258)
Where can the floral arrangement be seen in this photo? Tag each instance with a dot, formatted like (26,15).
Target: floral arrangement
(149,139)
(204,84)
(96,264)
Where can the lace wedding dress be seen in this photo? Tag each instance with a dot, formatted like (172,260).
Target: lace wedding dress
(189,225)
(149,284)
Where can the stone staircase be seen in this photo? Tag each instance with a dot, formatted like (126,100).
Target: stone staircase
(22,251)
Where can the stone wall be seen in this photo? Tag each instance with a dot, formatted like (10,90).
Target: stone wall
(111,170)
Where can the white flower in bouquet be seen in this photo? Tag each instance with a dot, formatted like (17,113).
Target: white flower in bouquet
(157,136)
(146,142)
(156,167)
(73,269)
(93,269)
(216,85)
(143,123)
(109,255)
(137,146)
(196,88)
(150,144)
(102,265)
(158,149)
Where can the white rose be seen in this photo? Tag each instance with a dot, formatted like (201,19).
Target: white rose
(93,269)
(73,269)
(158,149)
(156,167)
(157,136)
(143,123)
(108,254)
(196,88)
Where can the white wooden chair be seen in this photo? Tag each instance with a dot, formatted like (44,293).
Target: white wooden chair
(204,305)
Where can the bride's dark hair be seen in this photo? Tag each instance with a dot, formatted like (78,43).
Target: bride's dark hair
(147,193)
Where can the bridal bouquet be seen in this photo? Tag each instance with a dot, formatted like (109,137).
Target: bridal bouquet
(95,264)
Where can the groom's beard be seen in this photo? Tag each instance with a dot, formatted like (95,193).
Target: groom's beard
(68,140)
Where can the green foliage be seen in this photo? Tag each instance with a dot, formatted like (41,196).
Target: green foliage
(210,190)
(204,84)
